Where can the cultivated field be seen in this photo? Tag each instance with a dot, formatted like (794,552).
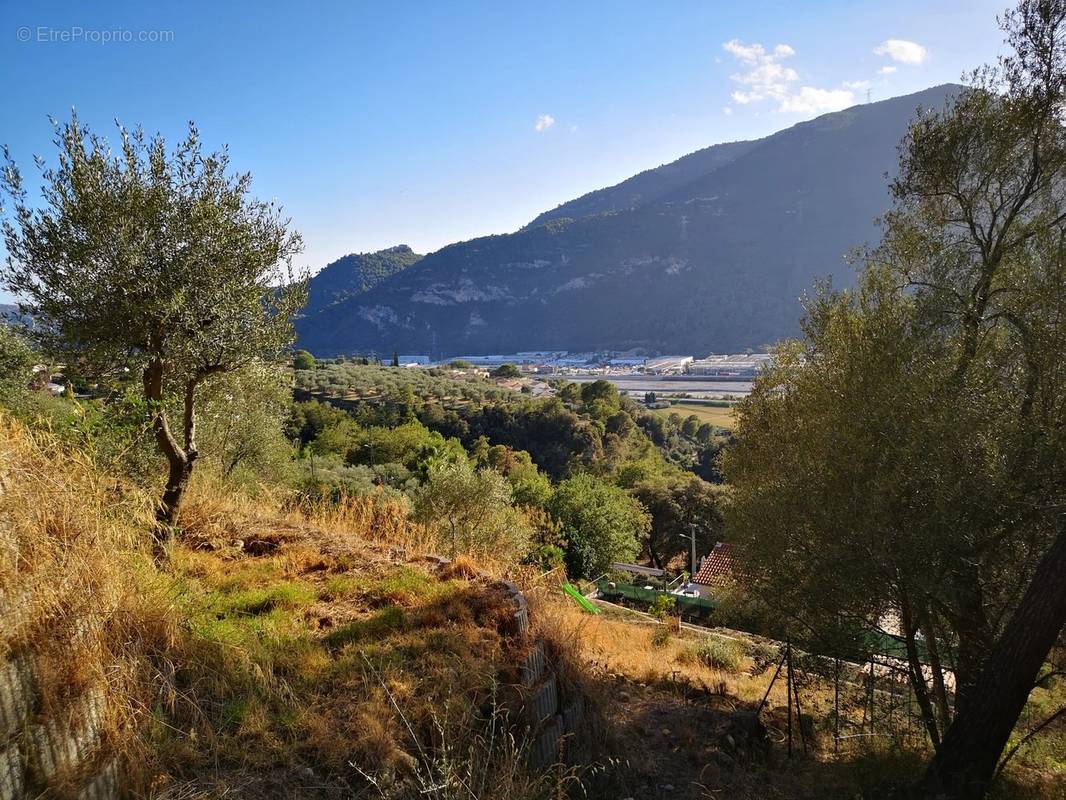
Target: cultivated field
(716,415)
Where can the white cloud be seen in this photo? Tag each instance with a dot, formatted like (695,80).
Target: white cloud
(727,110)
(888,69)
(902,51)
(856,84)
(544,121)
(809,100)
(748,53)
(767,78)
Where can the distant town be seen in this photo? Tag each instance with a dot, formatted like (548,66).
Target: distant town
(714,376)
(740,366)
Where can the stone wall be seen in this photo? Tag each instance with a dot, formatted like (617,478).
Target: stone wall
(61,752)
(552,715)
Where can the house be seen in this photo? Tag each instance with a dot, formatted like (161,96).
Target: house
(715,572)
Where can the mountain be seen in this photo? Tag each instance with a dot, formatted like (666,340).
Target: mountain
(10,315)
(708,254)
(649,185)
(354,274)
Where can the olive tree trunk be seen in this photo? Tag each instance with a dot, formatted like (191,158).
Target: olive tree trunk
(180,457)
(965,764)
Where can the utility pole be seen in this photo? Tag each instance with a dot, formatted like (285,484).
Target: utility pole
(788,689)
(691,536)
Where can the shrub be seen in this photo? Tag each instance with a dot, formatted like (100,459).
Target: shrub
(16,361)
(763,656)
(303,360)
(507,371)
(549,557)
(601,522)
(663,606)
(719,654)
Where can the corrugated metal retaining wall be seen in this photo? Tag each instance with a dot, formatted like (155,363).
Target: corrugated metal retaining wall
(553,717)
(63,754)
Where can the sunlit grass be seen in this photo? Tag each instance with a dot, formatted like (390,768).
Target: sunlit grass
(716,415)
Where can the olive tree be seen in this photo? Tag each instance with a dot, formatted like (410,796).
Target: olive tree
(907,457)
(16,362)
(475,510)
(153,260)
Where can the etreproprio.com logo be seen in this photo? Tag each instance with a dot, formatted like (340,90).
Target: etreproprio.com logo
(76,34)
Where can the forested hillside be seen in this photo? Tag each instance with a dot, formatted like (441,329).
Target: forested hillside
(354,274)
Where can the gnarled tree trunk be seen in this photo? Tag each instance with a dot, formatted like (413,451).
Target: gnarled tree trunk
(180,458)
(965,764)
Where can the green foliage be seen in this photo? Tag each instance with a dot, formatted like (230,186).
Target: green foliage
(308,420)
(507,371)
(412,444)
(599,399)
(303,360)
(601,523)
(400,392)
(16,363)
(550,557)
(529,486)
(154,261)
(719,654)
(242,424)
(473,511)
(570,393)
(664,606)
(99,288)
(690,426)
(680,506)
(627,445)
(907,453)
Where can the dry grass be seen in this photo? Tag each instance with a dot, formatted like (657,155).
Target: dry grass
(325,657)
(319,638)
(309,651)
(78,599)
(630,647)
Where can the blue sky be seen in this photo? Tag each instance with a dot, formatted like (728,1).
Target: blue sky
(433,122)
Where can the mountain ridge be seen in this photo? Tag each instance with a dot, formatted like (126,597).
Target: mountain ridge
(708,253)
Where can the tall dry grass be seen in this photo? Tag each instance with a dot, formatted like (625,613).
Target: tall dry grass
(79,599)
(216,514)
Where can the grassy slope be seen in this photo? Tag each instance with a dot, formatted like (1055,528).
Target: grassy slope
(276,655)
(280,655)
(344,654)
(666,710)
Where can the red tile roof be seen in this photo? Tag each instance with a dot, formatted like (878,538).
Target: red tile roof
(716,569)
